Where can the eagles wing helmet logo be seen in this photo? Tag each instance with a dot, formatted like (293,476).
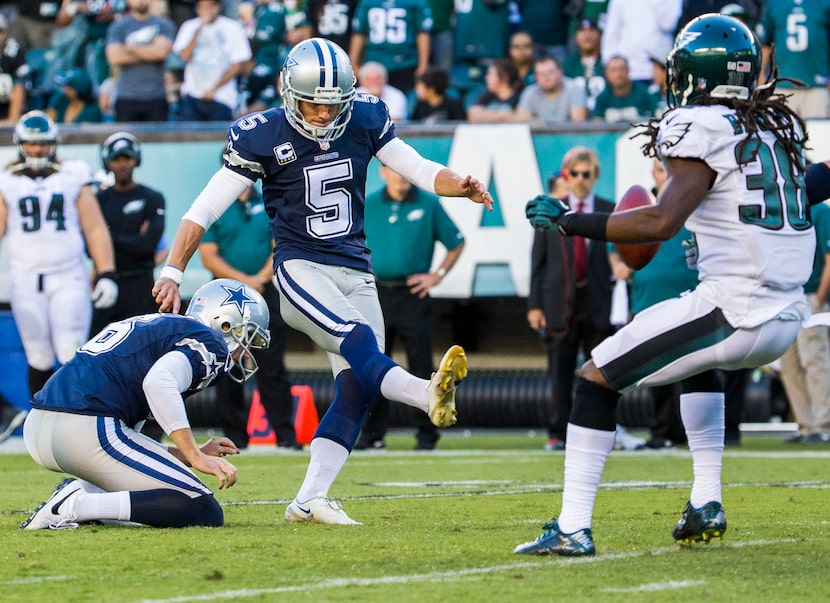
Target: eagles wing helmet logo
(685,38)
(237,297)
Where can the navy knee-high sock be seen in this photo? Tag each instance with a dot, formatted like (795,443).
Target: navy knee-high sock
(164,508)
(343,419)
(360,349)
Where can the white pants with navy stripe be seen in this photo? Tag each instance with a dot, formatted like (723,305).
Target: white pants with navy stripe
(105,452)
(325,302)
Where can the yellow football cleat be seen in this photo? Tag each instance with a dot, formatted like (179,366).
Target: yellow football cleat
(441,388)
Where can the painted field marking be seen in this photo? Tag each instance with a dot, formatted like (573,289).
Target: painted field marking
(452,576)
(654,587)
(36,580)
(532,489)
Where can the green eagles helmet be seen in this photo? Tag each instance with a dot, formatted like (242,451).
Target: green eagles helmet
(715,55)
(37,127)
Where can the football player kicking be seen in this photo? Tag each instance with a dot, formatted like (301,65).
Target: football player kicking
(86,420)
(312,157)
(734,154)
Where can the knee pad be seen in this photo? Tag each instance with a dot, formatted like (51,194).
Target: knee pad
(707,381)
(594,406)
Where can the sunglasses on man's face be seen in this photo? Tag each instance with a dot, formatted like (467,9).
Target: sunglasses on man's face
(574,173)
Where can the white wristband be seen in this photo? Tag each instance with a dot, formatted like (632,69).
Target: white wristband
(442,272)
(172,273)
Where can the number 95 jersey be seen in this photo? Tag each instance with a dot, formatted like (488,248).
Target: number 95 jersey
(42,229)
(314,192)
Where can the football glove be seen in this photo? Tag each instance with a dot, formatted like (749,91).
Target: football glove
(544,211)
(105,293)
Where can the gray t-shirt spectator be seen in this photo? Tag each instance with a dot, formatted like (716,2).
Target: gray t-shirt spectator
(553,109)
(143,80)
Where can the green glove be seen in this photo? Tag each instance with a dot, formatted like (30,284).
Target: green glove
(544,211)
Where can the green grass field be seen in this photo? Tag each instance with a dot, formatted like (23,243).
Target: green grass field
(441,527)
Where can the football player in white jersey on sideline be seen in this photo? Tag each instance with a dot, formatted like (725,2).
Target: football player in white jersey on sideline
(734,154)
(86,420)
(50,219)
(312,156)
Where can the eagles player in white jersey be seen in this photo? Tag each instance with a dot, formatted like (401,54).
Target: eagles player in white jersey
(734,154)
(50,218)
(87,418)
(312,157)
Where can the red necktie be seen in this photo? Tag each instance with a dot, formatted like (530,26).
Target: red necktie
(580,253)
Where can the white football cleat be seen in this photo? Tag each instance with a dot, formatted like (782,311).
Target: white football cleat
(627,441)
(319,510)
(58,512)
(441,388)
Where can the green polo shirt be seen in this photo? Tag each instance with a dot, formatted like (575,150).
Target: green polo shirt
(243,235)
(820,217)
(637,104)
(402,235)
(664,277)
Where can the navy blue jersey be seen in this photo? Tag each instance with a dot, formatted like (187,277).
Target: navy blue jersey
(105,376)
(313,195)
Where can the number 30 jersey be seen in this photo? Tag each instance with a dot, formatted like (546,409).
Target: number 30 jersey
(43,234)
(314,196)
(755,242)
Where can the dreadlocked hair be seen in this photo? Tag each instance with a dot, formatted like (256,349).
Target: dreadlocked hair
(766,109)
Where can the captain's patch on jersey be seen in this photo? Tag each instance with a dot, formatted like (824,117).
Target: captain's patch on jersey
(285,153)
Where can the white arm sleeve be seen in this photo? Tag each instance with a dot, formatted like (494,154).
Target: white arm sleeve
(218,195)
(409,163)
(163,386)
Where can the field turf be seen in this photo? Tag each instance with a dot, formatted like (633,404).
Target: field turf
(441,526)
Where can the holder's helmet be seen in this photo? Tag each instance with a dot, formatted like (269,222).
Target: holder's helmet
(240,315)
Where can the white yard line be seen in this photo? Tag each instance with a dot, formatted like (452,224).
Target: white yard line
(452,576)
(36,580)
(528,489)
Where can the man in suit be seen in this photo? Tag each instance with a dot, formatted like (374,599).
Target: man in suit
(570,288)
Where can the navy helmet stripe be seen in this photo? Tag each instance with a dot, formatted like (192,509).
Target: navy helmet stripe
(327,58)
(322,62)
(333,65)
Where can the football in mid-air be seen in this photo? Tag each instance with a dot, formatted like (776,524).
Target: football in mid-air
(636,256)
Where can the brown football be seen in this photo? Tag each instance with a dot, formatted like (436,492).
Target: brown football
(636,256)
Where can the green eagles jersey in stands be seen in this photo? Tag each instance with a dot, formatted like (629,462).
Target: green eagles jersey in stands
(482,29)
(801,34)
(391,28)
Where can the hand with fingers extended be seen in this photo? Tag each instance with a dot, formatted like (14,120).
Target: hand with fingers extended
(544,211)
(218,466)
(219,446)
